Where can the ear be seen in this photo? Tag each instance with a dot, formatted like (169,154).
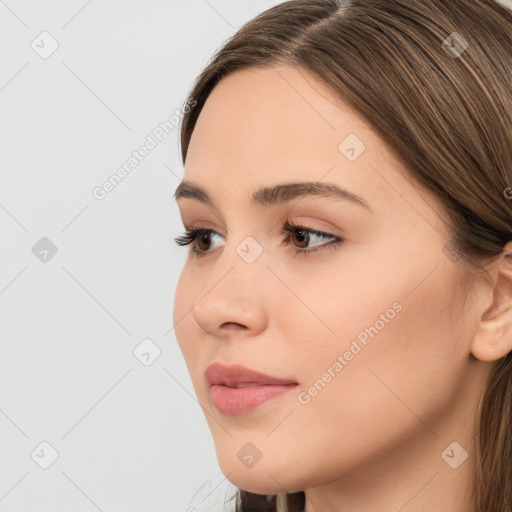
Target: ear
(493,338)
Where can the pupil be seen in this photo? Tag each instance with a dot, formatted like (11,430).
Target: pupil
(303,236)
(204,238)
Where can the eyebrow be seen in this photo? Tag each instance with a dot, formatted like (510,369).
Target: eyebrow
(276,194)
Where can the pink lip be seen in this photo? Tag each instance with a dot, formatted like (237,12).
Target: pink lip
(217,373)
(231,400)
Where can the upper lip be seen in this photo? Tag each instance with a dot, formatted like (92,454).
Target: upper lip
(230,376)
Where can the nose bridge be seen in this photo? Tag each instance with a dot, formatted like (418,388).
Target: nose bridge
(242,256)
(234,292)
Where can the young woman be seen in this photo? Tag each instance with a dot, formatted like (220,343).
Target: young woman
(345,310)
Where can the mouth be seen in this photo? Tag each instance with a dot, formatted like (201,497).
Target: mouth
(233,401)
(237,390)
(237,376)
(245,385)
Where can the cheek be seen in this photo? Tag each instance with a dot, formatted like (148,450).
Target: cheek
(180,306)
(185,328)
(400,361)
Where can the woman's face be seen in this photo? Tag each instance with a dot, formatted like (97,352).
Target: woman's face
(370,329)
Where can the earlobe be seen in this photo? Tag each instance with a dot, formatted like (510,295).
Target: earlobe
(493,338)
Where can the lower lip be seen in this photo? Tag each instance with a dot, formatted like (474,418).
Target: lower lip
(233,401)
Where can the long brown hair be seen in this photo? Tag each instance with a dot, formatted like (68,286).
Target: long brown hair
(435,80)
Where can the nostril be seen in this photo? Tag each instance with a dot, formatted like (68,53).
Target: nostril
(233,326)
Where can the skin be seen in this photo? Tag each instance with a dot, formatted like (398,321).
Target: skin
(373,437)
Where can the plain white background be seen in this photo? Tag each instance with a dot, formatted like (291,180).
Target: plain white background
(97,410)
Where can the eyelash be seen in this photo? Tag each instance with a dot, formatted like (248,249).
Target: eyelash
(190,236)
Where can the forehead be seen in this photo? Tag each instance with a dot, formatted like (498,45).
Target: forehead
(272,117)
(262,126)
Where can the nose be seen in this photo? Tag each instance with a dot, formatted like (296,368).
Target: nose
(233,299)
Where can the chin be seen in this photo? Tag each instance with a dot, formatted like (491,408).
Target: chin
(258,482)
(264,477)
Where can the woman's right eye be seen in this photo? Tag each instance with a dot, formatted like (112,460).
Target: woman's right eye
(194,236)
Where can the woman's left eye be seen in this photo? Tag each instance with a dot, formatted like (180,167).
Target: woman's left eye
(303,233)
